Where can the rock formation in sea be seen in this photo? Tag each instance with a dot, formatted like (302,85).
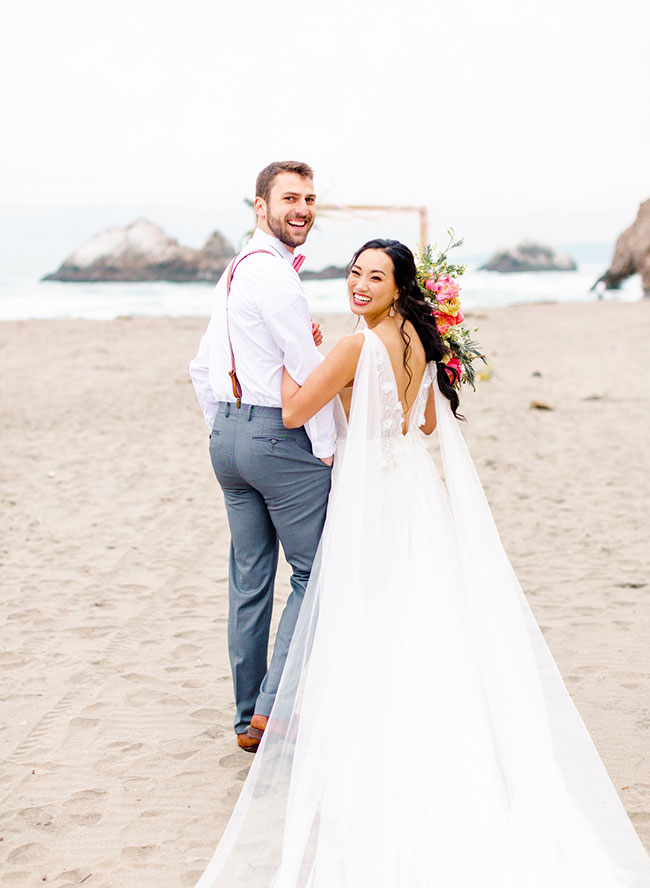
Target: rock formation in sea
(529,256)
(631,254)
(142,251)
(325,274)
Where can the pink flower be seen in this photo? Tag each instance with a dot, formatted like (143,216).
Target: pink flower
(454,371)
(444,287)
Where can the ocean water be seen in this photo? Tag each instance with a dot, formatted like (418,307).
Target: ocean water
(23,296)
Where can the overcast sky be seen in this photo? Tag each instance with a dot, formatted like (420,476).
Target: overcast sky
(507,118)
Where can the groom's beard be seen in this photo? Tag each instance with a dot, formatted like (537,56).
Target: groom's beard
(290,237)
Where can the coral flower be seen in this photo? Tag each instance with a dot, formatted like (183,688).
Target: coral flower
(445,321)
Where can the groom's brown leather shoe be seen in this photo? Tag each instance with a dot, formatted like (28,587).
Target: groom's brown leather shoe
(248,744)
(257,727)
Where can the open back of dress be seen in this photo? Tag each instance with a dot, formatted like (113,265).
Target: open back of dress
(422,736)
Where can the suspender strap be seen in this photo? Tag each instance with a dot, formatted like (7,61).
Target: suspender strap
(236,387)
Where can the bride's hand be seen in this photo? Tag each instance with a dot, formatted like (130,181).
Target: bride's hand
(316,333)
(289,388)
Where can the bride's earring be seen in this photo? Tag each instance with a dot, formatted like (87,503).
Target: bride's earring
(391,313)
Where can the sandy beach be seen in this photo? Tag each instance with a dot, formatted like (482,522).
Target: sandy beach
(119,767)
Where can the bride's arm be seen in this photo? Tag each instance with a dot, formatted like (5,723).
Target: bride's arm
(300,403)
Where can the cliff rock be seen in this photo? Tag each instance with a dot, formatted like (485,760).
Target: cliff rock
(529,256)
(631,254)
(142,251)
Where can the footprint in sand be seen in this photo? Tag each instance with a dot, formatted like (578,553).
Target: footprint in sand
(172,700)
(125,749)
(11,660)
(186,651)
(139,678)
(80,725)
(18,878)
(33,852)
(177,746)
(81,801)
(112,766)
(230,761)
(89,819)
(231,795)
(94,709)
(37,818)
(198,774)
(214,733)
(206,715)
(139,698)
(182,756)
(139,853)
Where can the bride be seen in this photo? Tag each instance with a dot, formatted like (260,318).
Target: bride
(422,736)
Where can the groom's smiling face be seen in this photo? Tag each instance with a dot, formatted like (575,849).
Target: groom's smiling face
(289,212)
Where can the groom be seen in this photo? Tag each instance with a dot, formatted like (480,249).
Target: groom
(275,481)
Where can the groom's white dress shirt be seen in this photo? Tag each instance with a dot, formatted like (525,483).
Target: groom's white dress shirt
(270,329)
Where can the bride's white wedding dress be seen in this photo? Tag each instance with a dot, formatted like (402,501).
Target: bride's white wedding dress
(422,736)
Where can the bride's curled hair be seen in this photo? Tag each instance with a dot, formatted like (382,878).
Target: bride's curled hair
(412,306)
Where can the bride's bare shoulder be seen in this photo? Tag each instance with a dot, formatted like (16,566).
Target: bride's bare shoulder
(349,345)
(345,354)
(356,339)
(389,331)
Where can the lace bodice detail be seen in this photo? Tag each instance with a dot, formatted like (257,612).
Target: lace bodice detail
(392,414)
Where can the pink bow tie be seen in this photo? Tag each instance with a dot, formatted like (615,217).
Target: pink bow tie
(298,260)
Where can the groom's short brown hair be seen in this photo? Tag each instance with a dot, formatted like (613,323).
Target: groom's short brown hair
(266,178)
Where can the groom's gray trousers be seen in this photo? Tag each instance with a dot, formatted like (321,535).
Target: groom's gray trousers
(275,490)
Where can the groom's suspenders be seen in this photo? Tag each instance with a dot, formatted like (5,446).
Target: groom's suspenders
(236,387)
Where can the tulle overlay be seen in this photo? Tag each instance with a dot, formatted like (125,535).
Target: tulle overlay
(422,735)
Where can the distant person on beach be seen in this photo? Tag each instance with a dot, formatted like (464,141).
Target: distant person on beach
(421,736)
(275,482)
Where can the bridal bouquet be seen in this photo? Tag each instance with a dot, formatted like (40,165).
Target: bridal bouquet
(437,280)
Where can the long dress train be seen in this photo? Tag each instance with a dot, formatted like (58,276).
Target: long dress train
(422,736)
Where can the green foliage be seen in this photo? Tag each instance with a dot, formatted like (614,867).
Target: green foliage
(433,263)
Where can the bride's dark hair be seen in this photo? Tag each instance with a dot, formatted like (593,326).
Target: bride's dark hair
(412,306)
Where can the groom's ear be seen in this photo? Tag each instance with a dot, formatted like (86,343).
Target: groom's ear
(260,207)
